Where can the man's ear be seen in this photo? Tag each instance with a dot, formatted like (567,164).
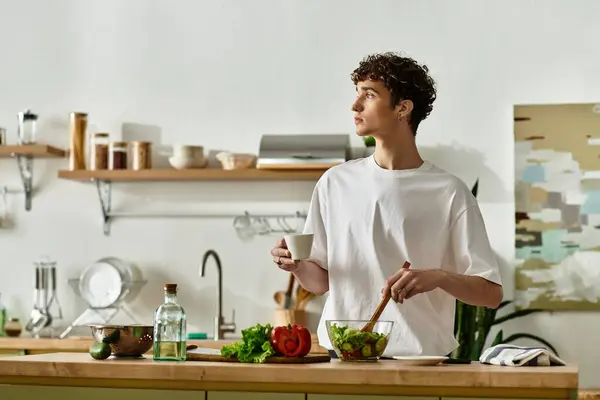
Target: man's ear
(404,108)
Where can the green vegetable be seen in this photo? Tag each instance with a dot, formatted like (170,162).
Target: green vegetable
(380,345)
(254,347)
(366,351)
(354,343)
(100,351)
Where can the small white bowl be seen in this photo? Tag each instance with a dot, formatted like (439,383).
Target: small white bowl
(181,163)
(236,160)
(187,163)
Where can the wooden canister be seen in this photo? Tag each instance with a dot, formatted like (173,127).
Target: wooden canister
(77,132)
(292,316)
(141,155)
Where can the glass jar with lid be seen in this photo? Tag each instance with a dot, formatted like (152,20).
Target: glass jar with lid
(99,151)
(13,327)
(27,127)
(117,155)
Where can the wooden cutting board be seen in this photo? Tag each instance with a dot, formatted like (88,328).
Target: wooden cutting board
(212,355)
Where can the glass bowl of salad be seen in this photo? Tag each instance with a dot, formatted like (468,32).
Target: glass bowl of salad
(351,344)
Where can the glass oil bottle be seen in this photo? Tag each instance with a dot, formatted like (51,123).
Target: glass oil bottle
(170,328)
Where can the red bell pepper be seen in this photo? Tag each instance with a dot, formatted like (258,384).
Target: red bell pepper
(291,340)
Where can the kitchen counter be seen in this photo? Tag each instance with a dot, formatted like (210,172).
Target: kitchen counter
(309,381)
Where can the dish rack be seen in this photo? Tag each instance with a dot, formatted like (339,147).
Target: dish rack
(102,315)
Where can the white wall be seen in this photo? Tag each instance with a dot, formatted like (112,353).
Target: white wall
(221,74)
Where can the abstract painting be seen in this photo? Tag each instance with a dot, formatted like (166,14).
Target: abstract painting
(557,204)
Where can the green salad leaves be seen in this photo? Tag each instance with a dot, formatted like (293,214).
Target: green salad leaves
(254,347)
(357,338)
(355,344)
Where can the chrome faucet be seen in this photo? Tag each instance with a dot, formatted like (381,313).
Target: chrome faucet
(220,326)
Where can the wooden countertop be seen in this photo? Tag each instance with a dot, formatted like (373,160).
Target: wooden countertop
(383,377)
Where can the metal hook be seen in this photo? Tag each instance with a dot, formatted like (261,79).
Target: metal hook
(286,227)
(264,223)
(281,225)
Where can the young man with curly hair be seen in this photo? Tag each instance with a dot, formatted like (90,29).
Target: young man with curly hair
(393,223)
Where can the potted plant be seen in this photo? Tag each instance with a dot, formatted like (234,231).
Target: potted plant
(472,325)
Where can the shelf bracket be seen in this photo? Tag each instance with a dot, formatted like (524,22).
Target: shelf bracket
(104,195)
(25,163)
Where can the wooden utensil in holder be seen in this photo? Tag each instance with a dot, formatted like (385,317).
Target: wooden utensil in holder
(291,316)
(287,303)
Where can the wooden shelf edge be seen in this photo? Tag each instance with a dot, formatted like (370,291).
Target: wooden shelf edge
(203,174)
(34,150)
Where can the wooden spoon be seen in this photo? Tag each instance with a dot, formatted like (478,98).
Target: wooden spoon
(279,298)
(303,296)
(386,298)
(284,299)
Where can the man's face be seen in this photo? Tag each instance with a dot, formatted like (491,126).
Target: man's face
(373,112)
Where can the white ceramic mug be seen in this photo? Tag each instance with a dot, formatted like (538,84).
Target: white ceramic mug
(299,245)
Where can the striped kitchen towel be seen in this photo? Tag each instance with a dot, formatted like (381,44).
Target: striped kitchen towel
(517,356)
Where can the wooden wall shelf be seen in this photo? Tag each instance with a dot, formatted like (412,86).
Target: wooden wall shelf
(200,174)
(31,150)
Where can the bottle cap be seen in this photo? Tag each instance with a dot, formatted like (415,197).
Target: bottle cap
(170,287)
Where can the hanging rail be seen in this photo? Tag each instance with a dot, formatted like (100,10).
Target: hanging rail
(245,224)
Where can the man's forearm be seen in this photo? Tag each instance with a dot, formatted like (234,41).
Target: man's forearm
(312,277)
(472,290)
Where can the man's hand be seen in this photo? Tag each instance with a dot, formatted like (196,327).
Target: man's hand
(407,282)
(473,290)
(282,257)
(309,274)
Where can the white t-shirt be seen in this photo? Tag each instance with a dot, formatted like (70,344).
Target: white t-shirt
(367,221)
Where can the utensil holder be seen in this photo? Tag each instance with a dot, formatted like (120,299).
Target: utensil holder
(292,316)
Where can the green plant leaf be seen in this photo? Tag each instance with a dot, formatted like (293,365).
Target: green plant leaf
(516,336)
(471,328)
(475,188)
(516,314)
(504,304)
(467,331)
(483,327)
(369,141)
(458,314)
(497,339)
(490,316)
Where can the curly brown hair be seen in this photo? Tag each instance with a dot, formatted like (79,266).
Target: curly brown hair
(404,78)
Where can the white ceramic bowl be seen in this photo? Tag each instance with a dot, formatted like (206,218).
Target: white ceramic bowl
(236,160)
(181,163)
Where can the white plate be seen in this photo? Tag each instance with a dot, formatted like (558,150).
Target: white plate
(205,350)
(101,284)
(420,360)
